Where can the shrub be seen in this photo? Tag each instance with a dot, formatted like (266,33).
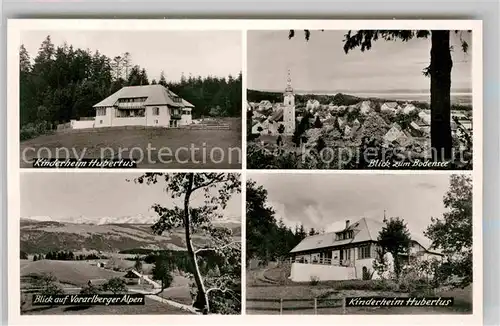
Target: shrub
(412,282)
(47,284)
(314,280)
(89,289)
(115,285)
(367,274)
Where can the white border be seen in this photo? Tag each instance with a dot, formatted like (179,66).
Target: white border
(14,27)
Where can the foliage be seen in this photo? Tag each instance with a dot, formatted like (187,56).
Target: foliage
(395,239)
(453,232)
(215,190)
(380,263)
(64,83)
(23,255)
(46,282)
(138,264)
(314,280)
(439,71)
(116,285)
(367,274)
(90,289)
(318,123)
(162,271)
(60,255)
(281,129)
(267,239)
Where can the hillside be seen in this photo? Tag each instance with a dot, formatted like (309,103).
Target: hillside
(68,272)
(45,236)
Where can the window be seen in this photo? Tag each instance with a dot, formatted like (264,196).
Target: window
(101,111)
(364,252)
(344,235)
(156,111)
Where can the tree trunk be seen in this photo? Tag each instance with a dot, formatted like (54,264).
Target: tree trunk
(201,301)
(440,72)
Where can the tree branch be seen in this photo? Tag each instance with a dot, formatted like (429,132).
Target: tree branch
(231,292)
(220,178)
(216,248)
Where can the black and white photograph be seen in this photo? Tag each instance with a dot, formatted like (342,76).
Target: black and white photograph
(174,238)
(359,99)
(351,237)
(161,99)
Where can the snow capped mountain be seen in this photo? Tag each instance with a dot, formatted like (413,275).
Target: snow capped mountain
(136,219)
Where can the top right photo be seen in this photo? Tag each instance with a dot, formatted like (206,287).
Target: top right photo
(360,99)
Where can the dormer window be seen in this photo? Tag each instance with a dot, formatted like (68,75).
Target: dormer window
(345,235)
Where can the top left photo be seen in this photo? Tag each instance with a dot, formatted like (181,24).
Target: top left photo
(150,99)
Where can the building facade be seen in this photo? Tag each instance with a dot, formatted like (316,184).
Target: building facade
(149,105)
(346,254)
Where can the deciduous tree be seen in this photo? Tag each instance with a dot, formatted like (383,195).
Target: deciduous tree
(453,232)
(216,189)
(439,71)
(395,239)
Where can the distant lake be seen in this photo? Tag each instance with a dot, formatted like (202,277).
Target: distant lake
(456,98)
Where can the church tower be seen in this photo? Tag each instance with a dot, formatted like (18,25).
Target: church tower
(289,107)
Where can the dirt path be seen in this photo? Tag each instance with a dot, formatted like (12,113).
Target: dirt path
(166,301)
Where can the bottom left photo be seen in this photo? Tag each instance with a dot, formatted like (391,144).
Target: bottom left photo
(130,243)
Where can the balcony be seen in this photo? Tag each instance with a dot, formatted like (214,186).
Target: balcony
(130,105)
(176,116)
(324,261)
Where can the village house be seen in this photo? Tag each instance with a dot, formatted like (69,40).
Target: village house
(264,105)
(408,108)
(394,133)
(148,105)
(312,104)
(389,107)
(365,107)
(347,253)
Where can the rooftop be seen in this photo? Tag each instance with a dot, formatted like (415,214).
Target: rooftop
(155,95)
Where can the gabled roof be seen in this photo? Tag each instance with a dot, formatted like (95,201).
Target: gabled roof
(277,116)
(155,95)
(365,229)
(391,104)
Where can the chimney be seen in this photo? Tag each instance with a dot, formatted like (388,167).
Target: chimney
(347,223)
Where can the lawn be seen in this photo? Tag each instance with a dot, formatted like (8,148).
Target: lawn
(180,148)
(76,273)
(307,293)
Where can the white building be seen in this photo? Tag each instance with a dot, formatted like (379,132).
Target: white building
(149,105)
(312,104)
(389,107)
(365,107)
(347,253)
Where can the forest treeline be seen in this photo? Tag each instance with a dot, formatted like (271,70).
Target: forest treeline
(268,238)
(60,83)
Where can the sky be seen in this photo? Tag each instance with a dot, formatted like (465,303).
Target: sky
(66,195)
(216,53)
(321,64)
(325,201)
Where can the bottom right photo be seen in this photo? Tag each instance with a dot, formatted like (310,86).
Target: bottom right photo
(321,243)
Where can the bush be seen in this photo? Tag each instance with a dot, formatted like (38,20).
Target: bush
(314,280)
(115,285)
(367,274)
(90,289)
(32,130)
(412,282)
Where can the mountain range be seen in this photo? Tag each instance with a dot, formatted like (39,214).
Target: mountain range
(133,219)
(42,235)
